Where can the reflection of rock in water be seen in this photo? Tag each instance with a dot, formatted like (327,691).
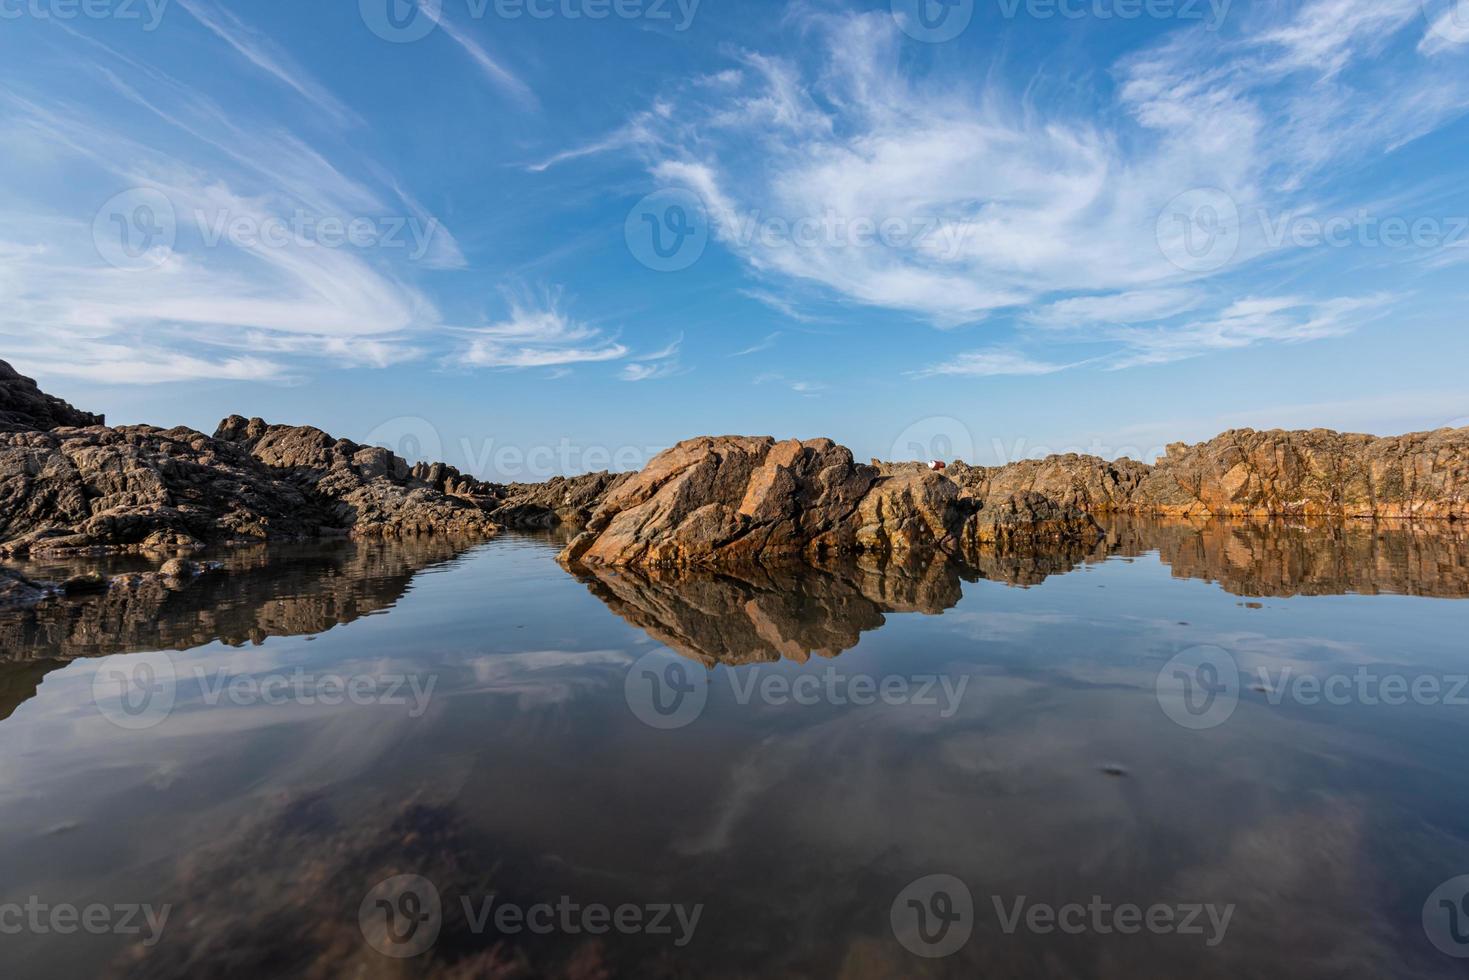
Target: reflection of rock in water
(278,590)
(281,895)
(1276,558)
(766,613)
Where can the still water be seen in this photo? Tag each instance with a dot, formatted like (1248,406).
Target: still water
(1196,750)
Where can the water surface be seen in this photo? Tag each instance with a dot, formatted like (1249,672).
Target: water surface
(853,770)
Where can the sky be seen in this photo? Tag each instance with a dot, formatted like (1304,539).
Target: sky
(538,236)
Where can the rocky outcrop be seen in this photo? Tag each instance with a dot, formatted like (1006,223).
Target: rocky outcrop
(69,484)
(1095,485)
(366,489)
(139,487)
(738,499)
(1315,473)
(25,407)
(1246,473)
(560,500)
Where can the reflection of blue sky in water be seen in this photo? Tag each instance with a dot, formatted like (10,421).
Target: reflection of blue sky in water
(795,824)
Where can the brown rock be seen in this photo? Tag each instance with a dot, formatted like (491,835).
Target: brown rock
(1089,483)
(734,499)
(728,499)
(1315,473)
(560,500)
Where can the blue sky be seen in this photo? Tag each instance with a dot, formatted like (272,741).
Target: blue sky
(538,235)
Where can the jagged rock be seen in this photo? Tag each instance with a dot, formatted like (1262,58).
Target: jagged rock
(560,500)
(735,499)
(728,499)
(1314,473)
(1027,519)
(364,488)
(1089,483)
(140,488)
(25,407)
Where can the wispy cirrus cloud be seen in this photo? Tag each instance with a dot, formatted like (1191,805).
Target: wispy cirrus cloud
(264,54)
(502,77)
(990,363)
(538,334)
(662,363)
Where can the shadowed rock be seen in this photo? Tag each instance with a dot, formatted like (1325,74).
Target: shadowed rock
(24,407)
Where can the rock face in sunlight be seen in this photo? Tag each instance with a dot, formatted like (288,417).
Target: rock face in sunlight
(25,407)
(1093,484)
(730,500)
(1315,473)
(1245,473)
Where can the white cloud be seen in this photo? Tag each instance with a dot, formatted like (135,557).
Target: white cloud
(266,55)
(497,73)
(993,362)
(763,345)
(538,335)
(997,201)
(1140,306)
(658,364)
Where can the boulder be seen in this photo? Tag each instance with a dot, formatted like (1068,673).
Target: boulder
(718,499)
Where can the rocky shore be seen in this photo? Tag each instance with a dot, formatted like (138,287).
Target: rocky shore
(740,500)
(70,484)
